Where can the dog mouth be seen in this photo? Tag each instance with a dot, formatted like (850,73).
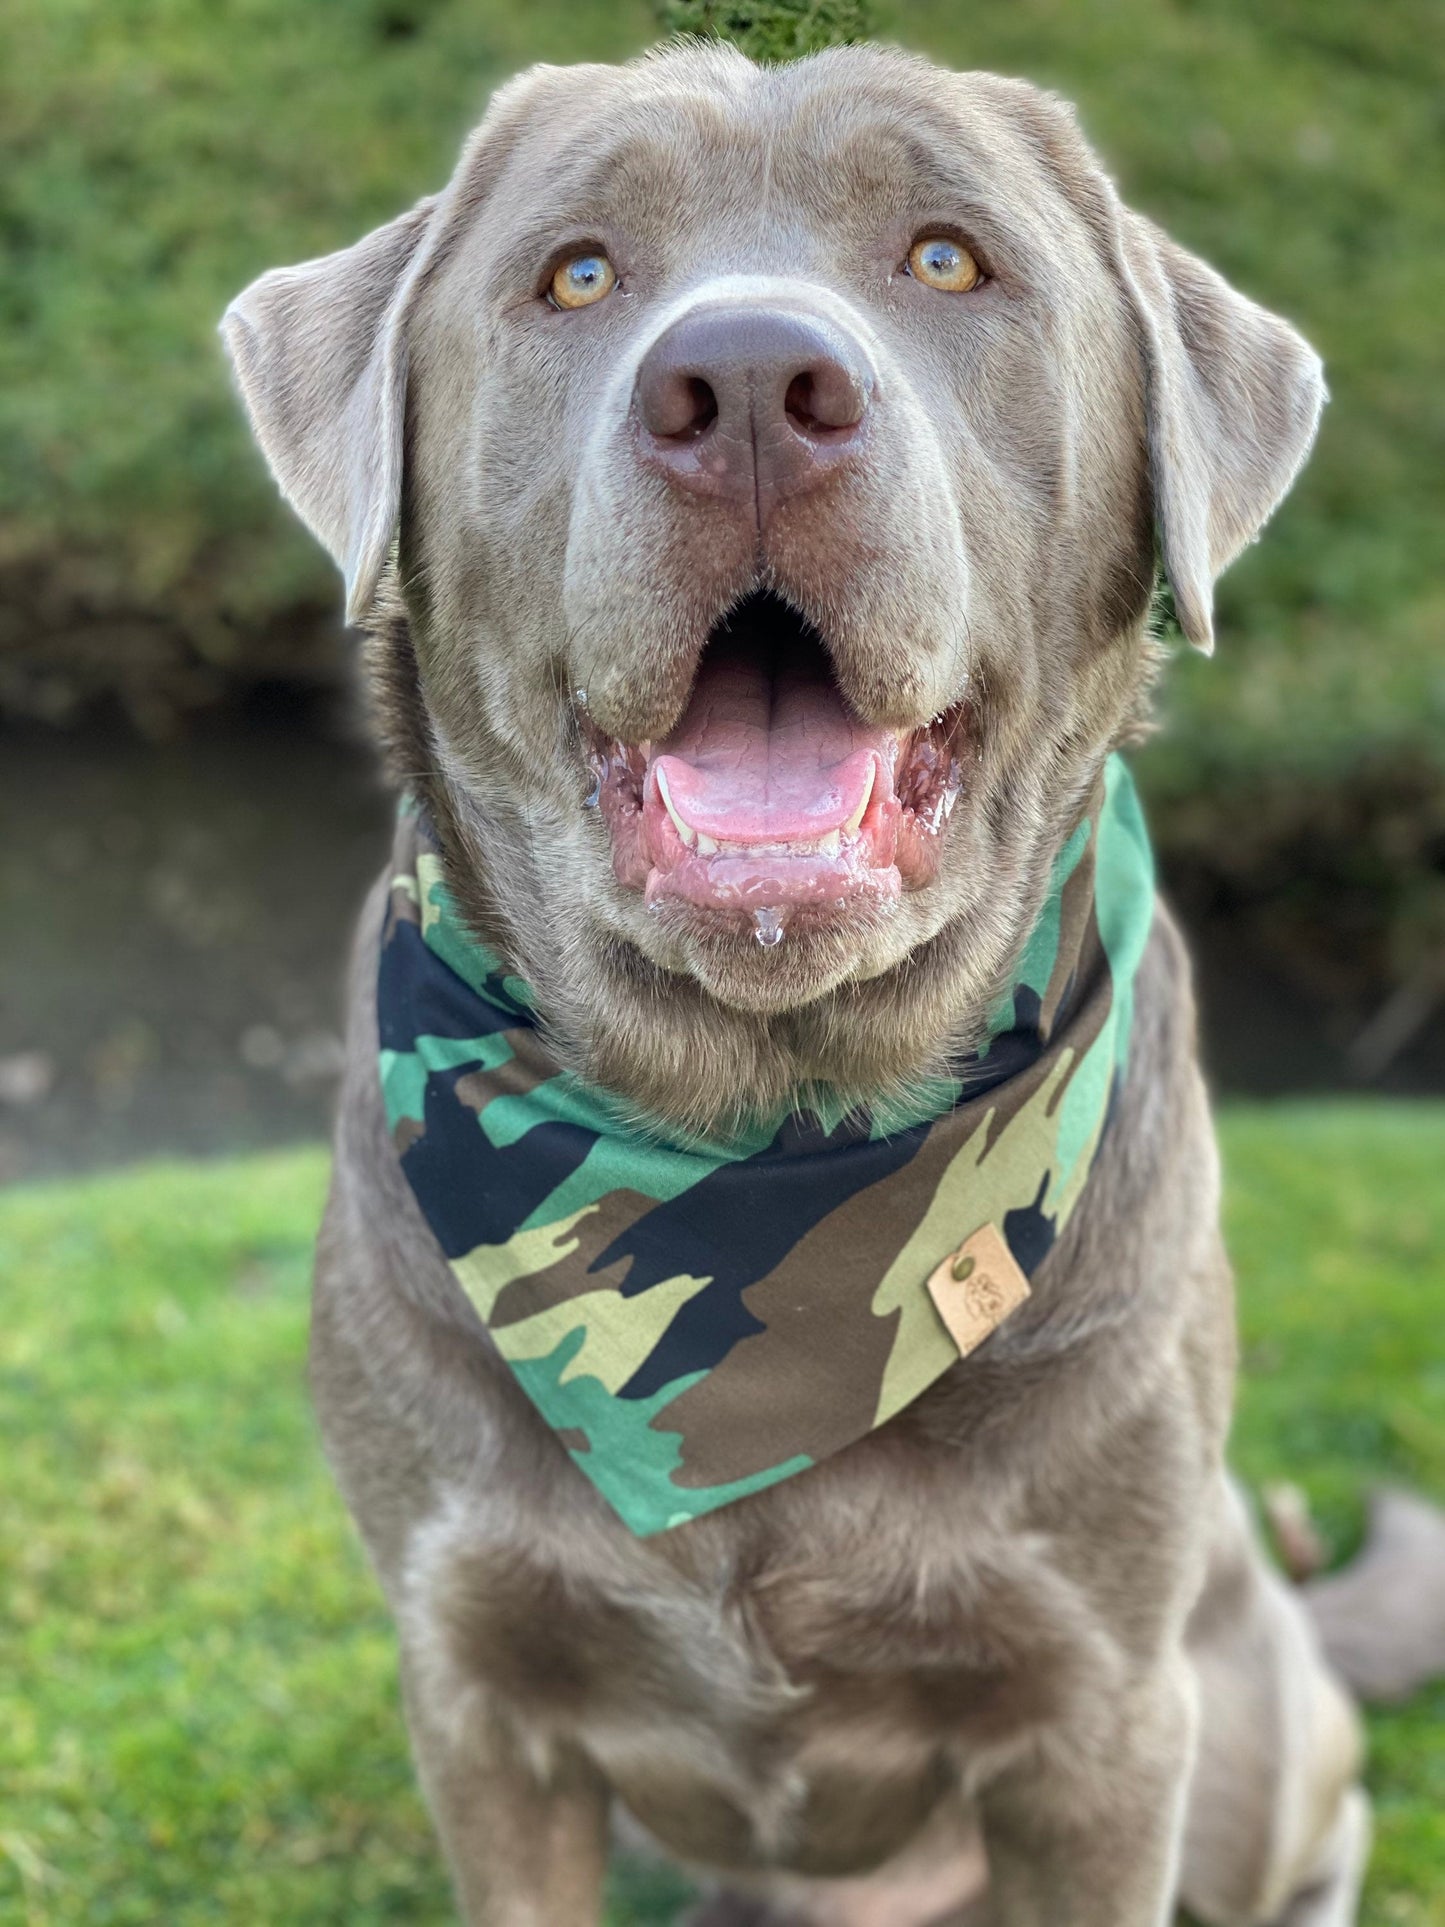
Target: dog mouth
(770,799)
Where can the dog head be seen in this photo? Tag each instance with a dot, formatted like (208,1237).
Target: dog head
(771,466)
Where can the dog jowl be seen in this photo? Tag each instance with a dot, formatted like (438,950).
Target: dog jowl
(752,483)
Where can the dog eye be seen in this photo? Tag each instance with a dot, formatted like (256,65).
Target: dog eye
(581,281)
(944,263)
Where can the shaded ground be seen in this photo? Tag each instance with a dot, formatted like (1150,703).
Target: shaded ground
(198,1699)
(174,920)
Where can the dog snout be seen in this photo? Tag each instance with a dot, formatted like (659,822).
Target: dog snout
(753,404)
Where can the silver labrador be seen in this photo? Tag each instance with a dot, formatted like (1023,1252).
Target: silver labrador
(876,348)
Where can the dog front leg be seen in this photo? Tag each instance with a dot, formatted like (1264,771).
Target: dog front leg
(525,1839)
(1087,1833)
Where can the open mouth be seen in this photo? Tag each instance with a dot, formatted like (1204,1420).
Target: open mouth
(770,799)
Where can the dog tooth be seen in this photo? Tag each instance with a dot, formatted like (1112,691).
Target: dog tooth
(851,826)
(706,845)
(684,830)
(828,845)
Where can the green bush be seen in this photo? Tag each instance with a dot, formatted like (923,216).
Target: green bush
(155,154)
(771,29)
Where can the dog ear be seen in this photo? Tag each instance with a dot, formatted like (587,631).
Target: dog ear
(1233,394)
(1233,398)
(319,352)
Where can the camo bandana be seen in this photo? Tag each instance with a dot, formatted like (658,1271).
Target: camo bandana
(697,1321)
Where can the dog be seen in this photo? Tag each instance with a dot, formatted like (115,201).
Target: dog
(751,482)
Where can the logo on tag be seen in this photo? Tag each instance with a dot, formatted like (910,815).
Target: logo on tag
(976,1287)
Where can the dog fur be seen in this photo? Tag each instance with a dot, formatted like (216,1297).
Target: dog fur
(1014,1655)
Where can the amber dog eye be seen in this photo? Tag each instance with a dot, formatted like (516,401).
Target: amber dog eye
(943,263)
(583,280)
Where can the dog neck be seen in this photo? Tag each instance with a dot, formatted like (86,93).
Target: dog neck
(624,1022)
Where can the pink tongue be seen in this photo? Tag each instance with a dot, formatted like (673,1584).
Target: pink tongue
(765,755)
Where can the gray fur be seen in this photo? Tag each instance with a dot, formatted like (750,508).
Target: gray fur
(1027,1619)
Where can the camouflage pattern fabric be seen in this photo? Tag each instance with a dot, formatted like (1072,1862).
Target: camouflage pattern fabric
(698,1320)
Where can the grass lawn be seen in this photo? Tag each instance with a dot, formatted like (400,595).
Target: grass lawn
(198,1712)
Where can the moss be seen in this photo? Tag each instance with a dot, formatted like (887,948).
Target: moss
(772,29)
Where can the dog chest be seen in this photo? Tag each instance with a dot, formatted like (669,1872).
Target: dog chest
(801,1709)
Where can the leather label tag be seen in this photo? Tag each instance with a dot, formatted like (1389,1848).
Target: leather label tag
(976,1287)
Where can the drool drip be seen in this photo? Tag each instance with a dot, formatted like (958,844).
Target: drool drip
(768,927)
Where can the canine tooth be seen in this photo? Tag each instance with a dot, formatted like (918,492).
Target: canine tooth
(851,826)
(684,830)
(828,845)
(706,845)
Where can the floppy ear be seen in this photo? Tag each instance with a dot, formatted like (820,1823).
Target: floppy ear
(1233,399)
(319,353)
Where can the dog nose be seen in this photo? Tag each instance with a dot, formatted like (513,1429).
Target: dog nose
(753,404)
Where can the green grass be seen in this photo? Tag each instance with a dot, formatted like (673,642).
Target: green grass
(198,1714)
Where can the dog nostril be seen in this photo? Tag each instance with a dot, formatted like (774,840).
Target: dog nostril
(826,400)
(704,409)
(677,407)
(798,402)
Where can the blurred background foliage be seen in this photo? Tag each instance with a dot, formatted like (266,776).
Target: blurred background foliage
(157,154)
